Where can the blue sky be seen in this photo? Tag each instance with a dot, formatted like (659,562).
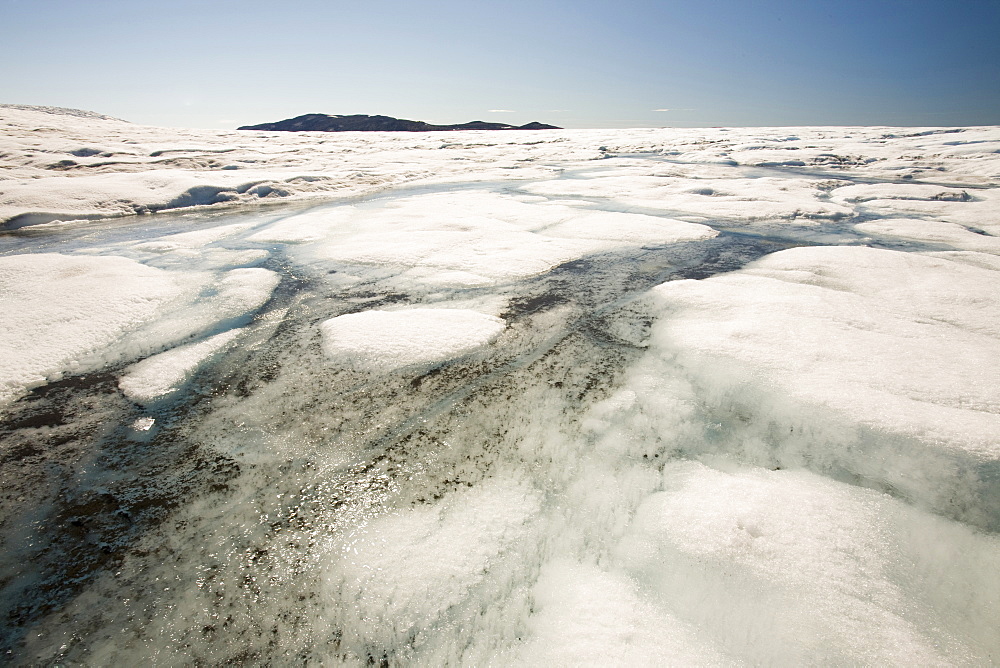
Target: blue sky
(586,63)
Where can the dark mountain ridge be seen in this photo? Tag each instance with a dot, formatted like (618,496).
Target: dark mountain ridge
(365,123)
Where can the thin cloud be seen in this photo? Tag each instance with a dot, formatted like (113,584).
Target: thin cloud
(501,111)
(675,110)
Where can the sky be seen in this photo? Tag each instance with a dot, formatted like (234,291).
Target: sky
(575,64)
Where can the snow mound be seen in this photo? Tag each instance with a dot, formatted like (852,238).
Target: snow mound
(789,568)
(902,341)
(56,310)
(386,340)
(163,374)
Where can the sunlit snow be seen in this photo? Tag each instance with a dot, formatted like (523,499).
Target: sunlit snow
(605,397)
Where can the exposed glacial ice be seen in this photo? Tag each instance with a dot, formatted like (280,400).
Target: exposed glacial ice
(635,397)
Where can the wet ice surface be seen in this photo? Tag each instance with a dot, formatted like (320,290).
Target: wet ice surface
(723,399)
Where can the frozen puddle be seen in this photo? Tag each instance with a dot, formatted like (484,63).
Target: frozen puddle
(652,412)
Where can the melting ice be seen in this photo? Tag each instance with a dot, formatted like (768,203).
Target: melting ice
(723,399)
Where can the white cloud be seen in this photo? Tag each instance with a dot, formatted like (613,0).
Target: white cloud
(501,111)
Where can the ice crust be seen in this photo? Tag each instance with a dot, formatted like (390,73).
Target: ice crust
(387,340)
(74,314)
(932,232)
(632,397)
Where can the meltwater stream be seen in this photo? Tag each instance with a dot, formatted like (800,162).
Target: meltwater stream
(557,495)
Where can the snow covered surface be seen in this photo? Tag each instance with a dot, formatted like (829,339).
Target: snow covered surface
(619,397)
(58,310)
(160,375)
(845,327)
(388,340)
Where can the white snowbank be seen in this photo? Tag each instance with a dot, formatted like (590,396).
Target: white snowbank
(58,311)
(897,340)
(930,231)
(386,340)
(162,374)
(787,567)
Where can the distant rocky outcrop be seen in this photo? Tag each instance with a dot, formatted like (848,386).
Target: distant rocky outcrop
(365,123)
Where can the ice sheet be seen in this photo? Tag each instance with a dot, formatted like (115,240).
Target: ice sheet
(66,166)
(570,397)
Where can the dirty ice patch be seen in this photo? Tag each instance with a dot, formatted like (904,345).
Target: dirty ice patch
(788,568)
(904,342)
(387,340)
(56,310)
(165,373)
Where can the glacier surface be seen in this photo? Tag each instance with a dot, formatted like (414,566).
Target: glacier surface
(613,397)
